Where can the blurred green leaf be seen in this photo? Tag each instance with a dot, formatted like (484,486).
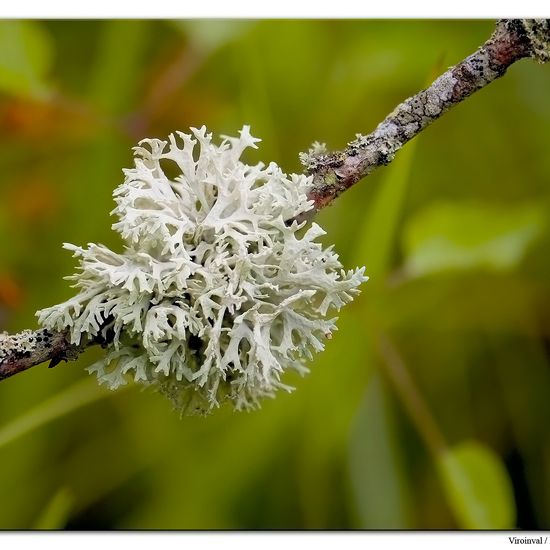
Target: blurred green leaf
(56,512)
(446,236)
(477,487)
(374,454)
(120,52)
(376,464)
(25,58)
(209,35)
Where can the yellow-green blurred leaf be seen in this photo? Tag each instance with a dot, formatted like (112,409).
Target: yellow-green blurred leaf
(460,236)
(477,487)
(25,58)
(78,395)
(209,35)
(56,512)
(376,468)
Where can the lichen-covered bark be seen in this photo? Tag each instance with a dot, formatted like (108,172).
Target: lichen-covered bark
(513,39)
(19,352)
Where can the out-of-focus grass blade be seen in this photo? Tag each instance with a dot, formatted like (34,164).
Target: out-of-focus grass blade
(57,511)
(113,78)
(79,395)
(379,482)
(376,470)
(331,396)
(114,82)
(377,237)
(454,236)
(477,487)
(25,58)
(379,231)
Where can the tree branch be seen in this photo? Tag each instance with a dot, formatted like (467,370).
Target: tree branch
(513,39)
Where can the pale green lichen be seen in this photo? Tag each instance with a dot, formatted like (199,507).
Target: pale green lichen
(12,345)
(310,159)
(216,295)
(538,33)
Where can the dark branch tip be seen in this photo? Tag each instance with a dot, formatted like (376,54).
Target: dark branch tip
(55,361)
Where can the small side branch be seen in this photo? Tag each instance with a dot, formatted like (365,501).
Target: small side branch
(513,39)
(19,352)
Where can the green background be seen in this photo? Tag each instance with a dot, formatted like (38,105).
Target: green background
(430,406)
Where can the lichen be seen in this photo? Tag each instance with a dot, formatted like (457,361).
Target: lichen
(216,294)
(17,346)
(538,33)
(315,153)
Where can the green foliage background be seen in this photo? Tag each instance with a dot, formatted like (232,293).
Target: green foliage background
(428,409)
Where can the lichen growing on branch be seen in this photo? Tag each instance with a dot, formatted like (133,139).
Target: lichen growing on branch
(216,294)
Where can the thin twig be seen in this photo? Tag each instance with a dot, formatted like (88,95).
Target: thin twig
(513,39)
(27,349)
(411,399)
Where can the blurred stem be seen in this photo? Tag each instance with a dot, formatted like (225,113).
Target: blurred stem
(79,395)
(172,78)
(411,398)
